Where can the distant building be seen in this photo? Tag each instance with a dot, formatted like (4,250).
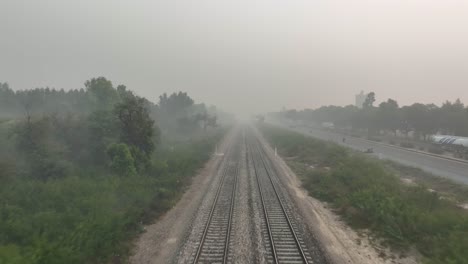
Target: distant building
(360,99)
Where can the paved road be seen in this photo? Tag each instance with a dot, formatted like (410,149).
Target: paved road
(456,171)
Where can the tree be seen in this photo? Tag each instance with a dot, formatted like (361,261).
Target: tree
(26,100)
(103,129)
(176,113)
(102,92)
(121,160)
(136,126)
(8,101)
(368,114)
(33,141)
(175,103)
(453,118)
(389,116)
(421,118)
(32,136)
(370,99)
(4,87)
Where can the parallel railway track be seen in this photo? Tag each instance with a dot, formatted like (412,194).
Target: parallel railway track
(280,235)
(286,246)
(214,244)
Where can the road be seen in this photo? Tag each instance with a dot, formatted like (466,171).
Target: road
(454,170)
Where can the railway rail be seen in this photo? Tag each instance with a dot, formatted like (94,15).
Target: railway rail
(280,235)
(214,244)
(285,245)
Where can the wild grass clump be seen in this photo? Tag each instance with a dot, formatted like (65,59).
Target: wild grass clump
(369,196)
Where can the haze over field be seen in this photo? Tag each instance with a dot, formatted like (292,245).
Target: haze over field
(232,53)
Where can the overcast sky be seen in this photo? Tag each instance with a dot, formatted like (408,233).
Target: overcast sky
(243,55)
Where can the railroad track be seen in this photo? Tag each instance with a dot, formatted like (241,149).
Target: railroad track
(285,245)
(214,244)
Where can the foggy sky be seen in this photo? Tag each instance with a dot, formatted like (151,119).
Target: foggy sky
(245,56)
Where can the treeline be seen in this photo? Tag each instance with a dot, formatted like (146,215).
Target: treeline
(175,113)
(422,119)
(80,170)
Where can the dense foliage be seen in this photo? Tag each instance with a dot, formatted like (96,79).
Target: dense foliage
(80,171)
(424,119)
(368,196)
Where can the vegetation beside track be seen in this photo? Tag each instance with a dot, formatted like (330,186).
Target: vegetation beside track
(89,216)
(82,171)
(369,196)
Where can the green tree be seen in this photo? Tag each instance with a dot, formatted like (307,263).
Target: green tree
(389,116)
(101,92)
(121,160)
(103,130)
(174,103)
(453,118)
(42,154)
(136,127)
(421,118)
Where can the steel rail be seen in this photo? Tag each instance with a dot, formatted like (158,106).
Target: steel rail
(265,212)
(296,239)
(210,216)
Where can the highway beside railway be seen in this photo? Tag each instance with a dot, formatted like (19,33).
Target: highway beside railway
(451,169)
